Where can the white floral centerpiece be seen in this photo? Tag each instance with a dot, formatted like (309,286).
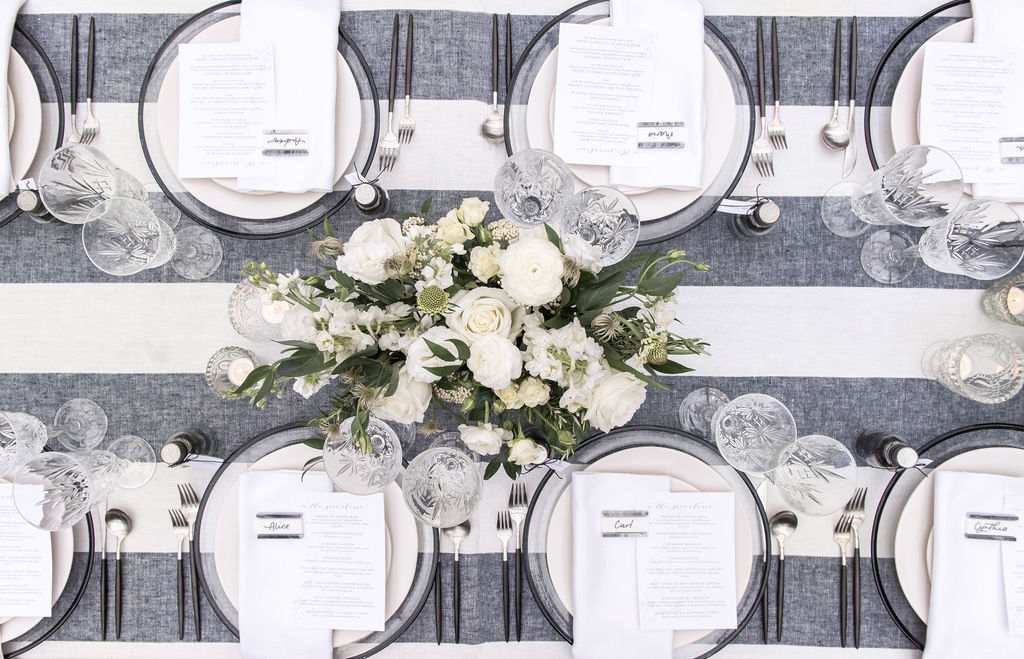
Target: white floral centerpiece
(503,327)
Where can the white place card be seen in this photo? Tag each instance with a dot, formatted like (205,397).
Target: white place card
(26,568)
(1013,568)
(225,100)
(342,570)
(604,87)
(969,99)
(686,568)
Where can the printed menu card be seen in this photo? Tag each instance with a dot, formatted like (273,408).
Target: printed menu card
(26,570)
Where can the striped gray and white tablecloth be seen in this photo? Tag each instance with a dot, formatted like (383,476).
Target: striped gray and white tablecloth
(791,315)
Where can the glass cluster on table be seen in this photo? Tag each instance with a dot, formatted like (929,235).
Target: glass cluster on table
(121,234)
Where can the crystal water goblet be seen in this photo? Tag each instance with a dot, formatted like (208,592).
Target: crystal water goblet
(1004,300)
(603,217)
(137,460)
(442,486)
(123,236)
(817,475)
(53,491)
(198,253)
(359,472)
(987,368)
(76,178)
(22,437)
(533,187)
(753,431)
(697,409)
(79,424)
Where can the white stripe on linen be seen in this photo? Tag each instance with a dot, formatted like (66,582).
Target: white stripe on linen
(814,331)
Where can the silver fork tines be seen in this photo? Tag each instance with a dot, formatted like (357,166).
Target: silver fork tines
(504,530)
(855,509)
(776,130)
(517,506)
(841,534)
(406,127)
(762,150)
(189,505)
(180,527)
(389,146)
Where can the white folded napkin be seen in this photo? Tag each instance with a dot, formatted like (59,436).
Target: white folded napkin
(8,14)
(677,92)
(997,22)
(268,569)
(967,610)
(304,36)
(606,620)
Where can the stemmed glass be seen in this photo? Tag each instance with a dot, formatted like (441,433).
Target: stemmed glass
(22,436)
(198,253)
(77,178)
(606,218)
(363,473)
(122,236)
(53,491)
(817,475)
(442,486)
(533,187)
(79,424)
(137,458)
(753,431)
(987,368)
(697,409)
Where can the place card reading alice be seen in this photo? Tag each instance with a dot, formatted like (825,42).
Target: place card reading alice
(686,568)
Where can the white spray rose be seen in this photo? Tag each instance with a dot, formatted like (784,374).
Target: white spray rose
(525,451)
(451,230)
(495,361)
(531,271)
(533,392)
(484,438)
(483,262)
(419,356)
(370,245)
(483,312)
(585,254)
(614,400)
(472,211)
(409,402)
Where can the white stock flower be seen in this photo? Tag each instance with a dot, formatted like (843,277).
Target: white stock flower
(484,438)
(525,451)
(409,402)
(298,325)
(495,361)
(437,272)
(483,262)
(585,254)
(484,311)
(451,230)
(472,211)
(531,271)
(419,355)
(370,245)
(614,400)
(307,385)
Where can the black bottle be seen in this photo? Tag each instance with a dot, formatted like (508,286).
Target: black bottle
(885,450)
(762,219)
(186,445)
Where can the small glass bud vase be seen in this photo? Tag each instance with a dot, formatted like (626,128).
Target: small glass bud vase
(987,368)
(228,368)
(1004,300)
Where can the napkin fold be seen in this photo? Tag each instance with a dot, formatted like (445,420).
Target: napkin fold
(8,14)
(606,620)
(967,610)
(268,569)
(304,36)
(677,90)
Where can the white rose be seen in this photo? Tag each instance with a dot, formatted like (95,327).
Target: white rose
(585,254)
(531,271)
(370,245)
(419,356)
(297,325)
(615,399)
(451,230)
(495,361)
(483,312)
(525,451)
(472,211)
(510,396)
(484,438)
(408,403)
(533,392)
(483,262)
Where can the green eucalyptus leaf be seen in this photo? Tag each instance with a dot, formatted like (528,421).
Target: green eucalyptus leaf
(660,286)
(492,468)
(511,469)
(461,347)
(255,376)
(620,365)
(328,233)
(439,351)
(316,443)
(393,385)
(425,208)
(303,363)
(556,322)
(553,237)
(670,368)
(442,371)
(600,295)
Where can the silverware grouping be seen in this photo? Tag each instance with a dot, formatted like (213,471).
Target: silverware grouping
(91,126)
(834,134)
(391,143)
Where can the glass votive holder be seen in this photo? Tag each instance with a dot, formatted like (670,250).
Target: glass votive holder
(228,368)
(251,318)
(1004,300)
(987,368)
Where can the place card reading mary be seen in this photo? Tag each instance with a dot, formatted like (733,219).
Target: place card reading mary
(686,568)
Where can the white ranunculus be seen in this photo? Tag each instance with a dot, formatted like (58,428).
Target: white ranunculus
(370,245)
(533,392)
(484,438)
(495,361)
(451,230)
(483,262)
(419,356)
(531,271)
(615,399)
(472,211)
(484,311)
(585,254)
(525,451)
(297,325)
(409,402)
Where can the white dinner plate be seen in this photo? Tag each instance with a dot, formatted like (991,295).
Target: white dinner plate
(220,194)
(62,545)
(688,474)
(914,528)
(651,203)
(401,539)
(25,126)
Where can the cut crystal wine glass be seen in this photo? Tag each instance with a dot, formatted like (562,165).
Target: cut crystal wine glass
(606,218)
(198,253)
(697,409)
(987,368)
(817,475)
(138,460)
(77,178)
(79,424)
(357,472)
(753,431)
(533,187)
(53,491)
(982,240)
(123,236)
(22,437)
(442,486)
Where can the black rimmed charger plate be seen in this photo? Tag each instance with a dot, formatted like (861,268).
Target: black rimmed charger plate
(224,222)
(679,219)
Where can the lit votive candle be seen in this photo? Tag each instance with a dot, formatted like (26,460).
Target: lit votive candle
(239,369)
(274,312)
(966,367)
(1015,301)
